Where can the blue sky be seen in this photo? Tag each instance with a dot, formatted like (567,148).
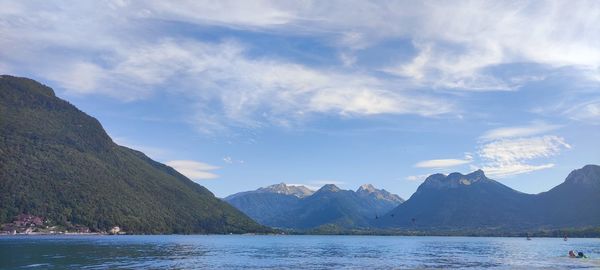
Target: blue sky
(243,94)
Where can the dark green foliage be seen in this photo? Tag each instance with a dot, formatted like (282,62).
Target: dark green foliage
(57,162)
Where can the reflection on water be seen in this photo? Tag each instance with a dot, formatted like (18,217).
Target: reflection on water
(280,252)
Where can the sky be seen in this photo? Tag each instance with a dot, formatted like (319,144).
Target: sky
(238,95)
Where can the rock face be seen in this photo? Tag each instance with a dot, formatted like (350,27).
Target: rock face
(281,188)
(58,163)
(329,205)
(473,202)
(367,190)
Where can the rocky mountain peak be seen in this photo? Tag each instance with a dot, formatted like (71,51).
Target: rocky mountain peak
(454,180)
(282,188)
(366,188)
(589,175)
(329,188)
(379,194)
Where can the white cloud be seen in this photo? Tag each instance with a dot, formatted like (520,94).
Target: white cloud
(417,178)
(80,77)
(518,131)
(588,112)
(511,150)
(507,157)
(114,48)
(457,41)
(506,170)
(230,160)
(249,91)
(230,13)
(193,169)
(439,69)
(228,86)
(444,163)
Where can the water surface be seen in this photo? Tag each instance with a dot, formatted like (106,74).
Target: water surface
(292,252)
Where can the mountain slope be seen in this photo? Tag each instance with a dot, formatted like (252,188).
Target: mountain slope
(58,162)
(329,205)
(461,201)
(475,202)
(381,200)
(265,208)
(573,203)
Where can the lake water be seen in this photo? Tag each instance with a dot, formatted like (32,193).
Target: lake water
(281,252)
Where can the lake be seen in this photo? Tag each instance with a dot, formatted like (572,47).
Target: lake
(281,252)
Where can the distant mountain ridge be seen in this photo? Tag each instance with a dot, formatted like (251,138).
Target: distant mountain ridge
(367,190)
(329,205)
(474,202)
(281,188)
(58,163)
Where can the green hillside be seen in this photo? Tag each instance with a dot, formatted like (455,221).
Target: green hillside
(59,163)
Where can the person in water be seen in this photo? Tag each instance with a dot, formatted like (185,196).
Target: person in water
(574,254)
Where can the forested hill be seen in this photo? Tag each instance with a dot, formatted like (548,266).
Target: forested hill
(58,163)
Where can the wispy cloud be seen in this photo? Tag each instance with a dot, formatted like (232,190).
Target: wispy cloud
(518,131)
(228,85)
(254,14)
(230,160)
(588,112)
(193,169)
(444,163)
(456,44)
(513,156)
(507,151)
(417,178)
(459,42)
(505,170)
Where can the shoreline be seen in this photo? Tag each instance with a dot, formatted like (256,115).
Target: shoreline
(365,235)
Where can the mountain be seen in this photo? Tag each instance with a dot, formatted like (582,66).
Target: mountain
(573,203)
(58,163)
(269,203)
(474,202)
(459,201)
(382,200)
(281,188)
(329,205)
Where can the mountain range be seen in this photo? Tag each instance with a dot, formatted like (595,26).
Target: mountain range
(442,203)
(475,202)
(58,163)
(298,207)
